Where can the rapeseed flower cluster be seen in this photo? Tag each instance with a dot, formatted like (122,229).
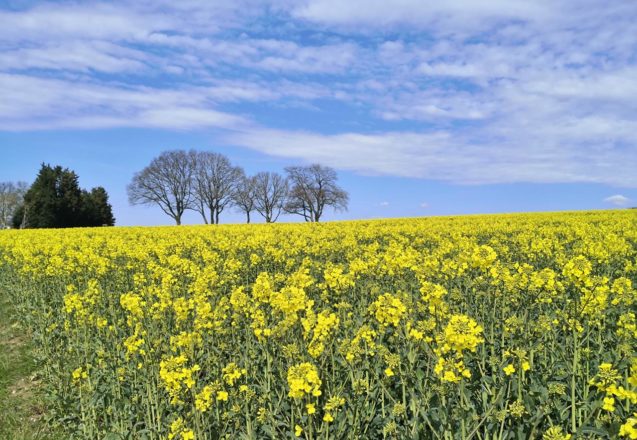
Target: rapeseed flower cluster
(477,326)
(388,310)
(303,379)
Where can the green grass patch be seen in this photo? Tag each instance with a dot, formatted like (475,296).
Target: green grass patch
(22,409)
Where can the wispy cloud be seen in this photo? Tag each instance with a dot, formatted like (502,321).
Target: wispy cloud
(412,12)
(76,56)
(463,91)
(37,103)
(445,156)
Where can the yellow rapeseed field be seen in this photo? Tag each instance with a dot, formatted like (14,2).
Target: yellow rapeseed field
(484,327)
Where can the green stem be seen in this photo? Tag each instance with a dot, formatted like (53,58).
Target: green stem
(573,382)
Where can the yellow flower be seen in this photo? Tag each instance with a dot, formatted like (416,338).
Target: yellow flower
(462,333)
(132,303)
(175,376)
(629,429)
(388,310)
(177,427)
(416,335)
(606,377)
(328,417)
(311,409)
(231,373)
(203,399)
(609,404)
(389,372)
(303,379)
(79,373)
(326,324)
(222,396)
(526,366)
(555,433)
(334,403)
(509,370)
(298,430)
(450,376)
(451,370)
(483,256)
(577,270)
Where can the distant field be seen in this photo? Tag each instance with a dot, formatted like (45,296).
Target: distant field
(485,327)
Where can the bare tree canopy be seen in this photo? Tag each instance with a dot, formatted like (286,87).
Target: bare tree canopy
(243,197)
(11,198)
(208,183)
(270,194)
(312,189)
(166,182)
(214,182)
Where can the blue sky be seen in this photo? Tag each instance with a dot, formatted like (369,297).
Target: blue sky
(463,107)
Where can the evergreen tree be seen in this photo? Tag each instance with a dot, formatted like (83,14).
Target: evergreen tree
(18,217)
(97,210)
(69,199)
(55,200)
(41,200)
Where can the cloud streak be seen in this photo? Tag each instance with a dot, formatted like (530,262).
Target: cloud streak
(441,156)
(38,103)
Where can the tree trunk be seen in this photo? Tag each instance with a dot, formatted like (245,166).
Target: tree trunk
(178,220)
(23,225)
(248,216)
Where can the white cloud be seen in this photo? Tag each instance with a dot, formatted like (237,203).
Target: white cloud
(617,200)
(318,59)
(383,204)
(451,69)
(35,103)
(78,36)
(424,205)
(76,56)
(465,13)
(465,91)
(119,20)
(444,156)
(401,153)
(188,118)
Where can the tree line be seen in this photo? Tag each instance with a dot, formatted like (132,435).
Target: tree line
(54,200)
(208,183)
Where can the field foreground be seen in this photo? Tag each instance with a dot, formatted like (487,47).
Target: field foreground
(485,327)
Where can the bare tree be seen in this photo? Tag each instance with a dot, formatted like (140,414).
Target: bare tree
(312,189)
(214,183)
(11,198)
(166,182)
(270,193)
(244,196)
